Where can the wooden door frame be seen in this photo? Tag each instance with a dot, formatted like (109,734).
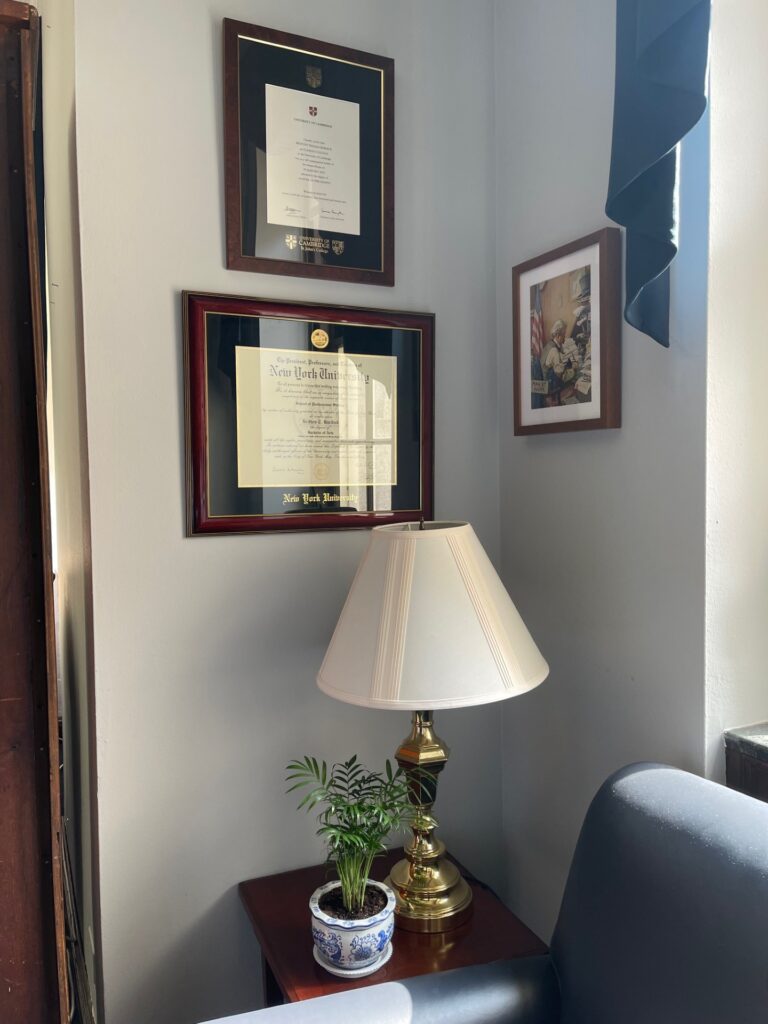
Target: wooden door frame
(32,929)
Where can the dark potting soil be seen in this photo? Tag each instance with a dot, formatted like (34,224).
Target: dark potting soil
(374,901)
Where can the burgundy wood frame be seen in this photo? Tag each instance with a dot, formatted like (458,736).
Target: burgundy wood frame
(195,305)
(236,259)
(609,241)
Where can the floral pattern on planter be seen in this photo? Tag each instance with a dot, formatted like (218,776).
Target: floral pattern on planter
(352,944)
(365,947)
(328,943)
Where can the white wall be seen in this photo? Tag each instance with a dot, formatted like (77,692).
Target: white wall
(206,649)
(737,463)
(602,532)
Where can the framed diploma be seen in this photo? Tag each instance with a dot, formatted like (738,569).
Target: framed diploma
(305,417)
(308,156)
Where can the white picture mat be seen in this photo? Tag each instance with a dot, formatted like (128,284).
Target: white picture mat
(589,256)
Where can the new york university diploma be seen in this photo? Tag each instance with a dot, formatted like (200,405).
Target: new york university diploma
(311,419)
(313,161)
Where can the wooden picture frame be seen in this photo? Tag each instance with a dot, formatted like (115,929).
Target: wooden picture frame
(309,158)
(302,416)
(567,309)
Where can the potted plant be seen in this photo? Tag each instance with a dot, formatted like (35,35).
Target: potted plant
(352,917)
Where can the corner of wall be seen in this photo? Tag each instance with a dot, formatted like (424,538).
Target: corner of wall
(603,532)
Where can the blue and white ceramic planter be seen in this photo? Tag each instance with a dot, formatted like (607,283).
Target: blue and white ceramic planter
(357,947)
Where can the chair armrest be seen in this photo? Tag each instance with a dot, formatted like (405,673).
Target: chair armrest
(521,991)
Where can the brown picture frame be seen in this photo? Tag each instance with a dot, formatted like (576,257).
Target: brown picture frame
(564,390)
(216,500)
(330,70)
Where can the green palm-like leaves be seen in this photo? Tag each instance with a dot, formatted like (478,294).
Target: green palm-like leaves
(359,810)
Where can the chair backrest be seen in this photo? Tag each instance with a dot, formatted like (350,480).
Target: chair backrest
(665,914)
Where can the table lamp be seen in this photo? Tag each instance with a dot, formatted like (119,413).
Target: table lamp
(427,625)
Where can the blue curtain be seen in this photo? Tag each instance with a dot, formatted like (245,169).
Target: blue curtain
(662,51)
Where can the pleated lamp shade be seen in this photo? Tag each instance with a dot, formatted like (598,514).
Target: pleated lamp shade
(428,624)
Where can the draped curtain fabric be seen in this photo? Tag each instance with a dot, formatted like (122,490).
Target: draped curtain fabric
(662,51)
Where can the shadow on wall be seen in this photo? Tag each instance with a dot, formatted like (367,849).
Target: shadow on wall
(73,714)
(178,982)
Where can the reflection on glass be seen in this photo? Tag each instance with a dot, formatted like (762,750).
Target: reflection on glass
(366,434)
(310,138)
(384,442)
(297,429)
(322,420)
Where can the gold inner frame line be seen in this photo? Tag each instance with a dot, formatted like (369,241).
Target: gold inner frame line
(339,60)
(300,319)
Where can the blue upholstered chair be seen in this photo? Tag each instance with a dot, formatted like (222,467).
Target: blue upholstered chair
(664,921)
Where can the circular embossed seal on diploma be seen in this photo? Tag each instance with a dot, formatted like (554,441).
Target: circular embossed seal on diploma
(319,338)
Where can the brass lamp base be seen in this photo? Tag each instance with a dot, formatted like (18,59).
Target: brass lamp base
(431,894)
(432,898)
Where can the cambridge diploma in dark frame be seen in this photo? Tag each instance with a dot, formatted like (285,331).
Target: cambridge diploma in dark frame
(305,417)
(308,157)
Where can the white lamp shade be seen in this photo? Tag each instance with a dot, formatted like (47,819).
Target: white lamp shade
(428,624)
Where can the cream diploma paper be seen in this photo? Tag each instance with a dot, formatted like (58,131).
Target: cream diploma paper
(313,161)
(315,419)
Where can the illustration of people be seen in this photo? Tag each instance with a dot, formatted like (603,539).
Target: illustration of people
(582,329)
(560,364)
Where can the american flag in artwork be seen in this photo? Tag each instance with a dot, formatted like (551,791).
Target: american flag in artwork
(537,323)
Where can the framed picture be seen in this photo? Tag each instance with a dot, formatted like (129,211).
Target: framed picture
(305,417)
(308,157)
(567,337)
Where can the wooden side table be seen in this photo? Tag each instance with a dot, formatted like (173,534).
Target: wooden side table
(278,908)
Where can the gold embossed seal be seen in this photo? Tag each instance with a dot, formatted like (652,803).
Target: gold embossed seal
(319,338)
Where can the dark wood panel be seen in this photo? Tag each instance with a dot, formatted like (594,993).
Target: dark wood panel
(746,774)
(32,963)
(278,906)
(16,14)
(746,760)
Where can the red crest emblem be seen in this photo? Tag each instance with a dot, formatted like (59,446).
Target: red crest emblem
(313,111)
